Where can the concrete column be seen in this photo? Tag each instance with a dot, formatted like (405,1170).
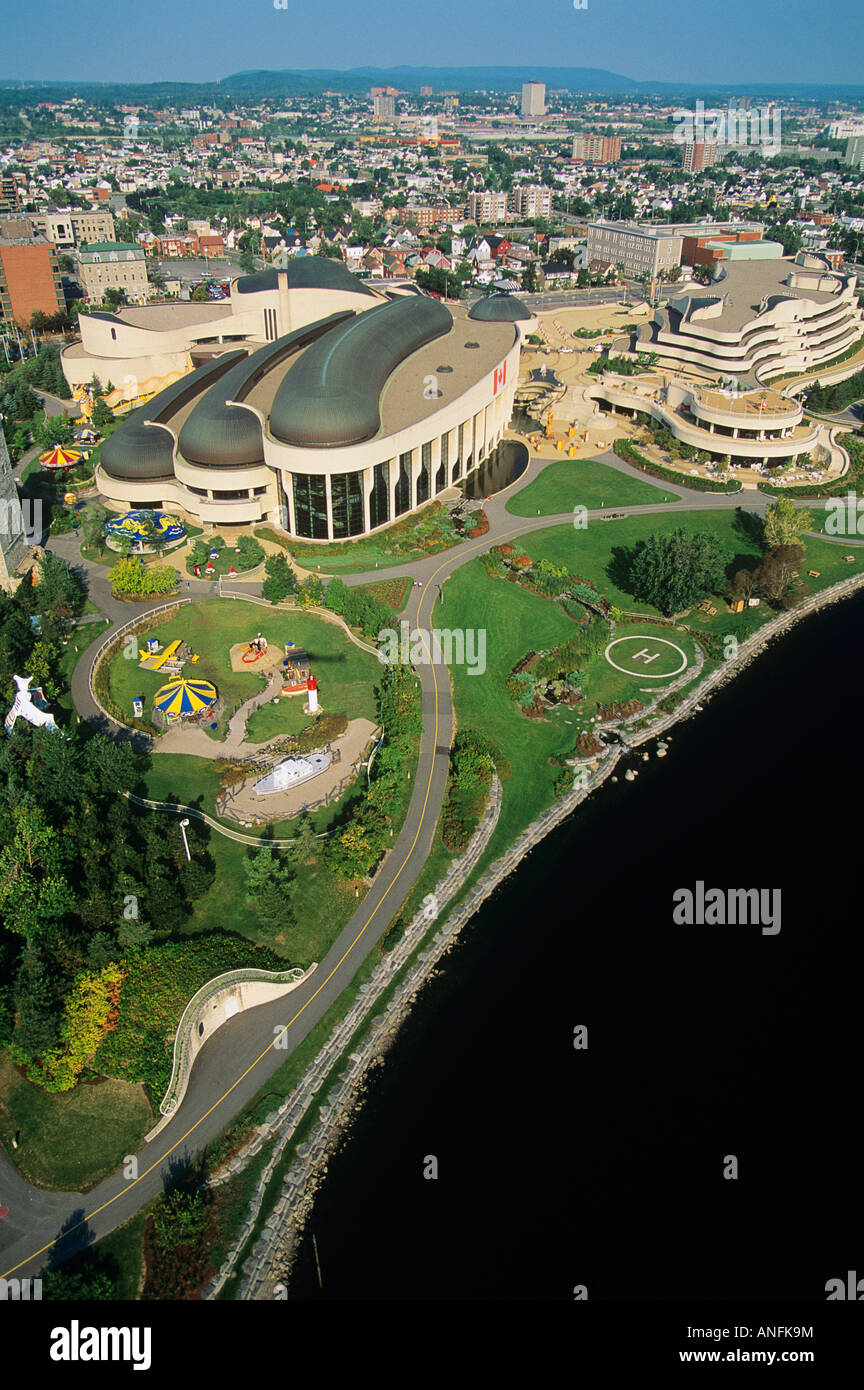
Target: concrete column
(283,310)
(435,464)
(368,483)
(416,465)
(392,479)
(288,492)
(330,536)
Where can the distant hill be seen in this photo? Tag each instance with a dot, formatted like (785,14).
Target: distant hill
(411,79)
(264,83)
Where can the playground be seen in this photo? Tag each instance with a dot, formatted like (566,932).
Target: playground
(205,644)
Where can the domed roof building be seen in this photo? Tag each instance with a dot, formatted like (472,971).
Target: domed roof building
(504,308)
(339,424)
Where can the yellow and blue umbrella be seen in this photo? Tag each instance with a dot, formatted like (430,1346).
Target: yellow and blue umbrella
(184,697)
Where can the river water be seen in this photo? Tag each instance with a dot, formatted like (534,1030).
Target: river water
(604,1166)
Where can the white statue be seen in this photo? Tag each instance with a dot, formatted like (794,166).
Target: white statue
(26,708)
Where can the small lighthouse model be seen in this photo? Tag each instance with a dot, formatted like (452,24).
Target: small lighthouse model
(312,688)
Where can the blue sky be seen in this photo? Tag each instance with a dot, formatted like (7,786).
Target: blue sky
(199,40)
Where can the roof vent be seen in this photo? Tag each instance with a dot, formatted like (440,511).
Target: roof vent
(444,369)
(472,345)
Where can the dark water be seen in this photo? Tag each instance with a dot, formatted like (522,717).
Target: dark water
(604,1167)
(503,466)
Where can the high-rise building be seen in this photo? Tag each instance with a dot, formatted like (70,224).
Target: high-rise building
(533,98)
(854,155)
(531,200)
(486,207)
(10,196)
(383,107)
(597,149)
(29,273)
(698,154)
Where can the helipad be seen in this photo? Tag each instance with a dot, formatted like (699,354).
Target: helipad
(648,661)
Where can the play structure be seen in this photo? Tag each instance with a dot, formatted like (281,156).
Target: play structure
(169,660)
(295,671)
(291,772)
(181,698)
(255,651)
(30,705)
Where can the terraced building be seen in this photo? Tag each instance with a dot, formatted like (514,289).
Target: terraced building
(760,319)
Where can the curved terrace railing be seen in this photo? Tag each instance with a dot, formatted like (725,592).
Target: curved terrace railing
(182,1038)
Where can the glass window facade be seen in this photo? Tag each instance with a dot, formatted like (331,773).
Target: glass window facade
(403,485)
(457,465)
(346,501)
(379,500)
(310,506)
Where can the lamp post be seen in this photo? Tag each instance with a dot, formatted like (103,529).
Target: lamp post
(183,824)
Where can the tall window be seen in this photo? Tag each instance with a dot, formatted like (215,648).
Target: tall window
(346,500)
(423,475)
(441,477)
(457,464)
(310,505)
(379,500)
(403,485)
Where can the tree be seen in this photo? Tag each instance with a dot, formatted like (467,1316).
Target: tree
(306,846)
(281,579)
(529,278)
(311,592)
(269,885)
(673,572)
(93,520)
(784,523)
(60,594)
(776,570)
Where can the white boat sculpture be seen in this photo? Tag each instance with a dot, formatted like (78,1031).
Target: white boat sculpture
(291,772)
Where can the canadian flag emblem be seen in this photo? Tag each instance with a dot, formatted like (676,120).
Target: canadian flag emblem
(499,378)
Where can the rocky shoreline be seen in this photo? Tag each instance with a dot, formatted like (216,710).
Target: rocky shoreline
(268,1269)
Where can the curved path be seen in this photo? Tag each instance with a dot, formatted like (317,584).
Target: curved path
(238,1060)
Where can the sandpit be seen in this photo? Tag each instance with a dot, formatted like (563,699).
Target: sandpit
(265,665)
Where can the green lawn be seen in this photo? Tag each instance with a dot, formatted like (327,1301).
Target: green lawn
(71,1140)
(515,622)
(346,674)
(567,483)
